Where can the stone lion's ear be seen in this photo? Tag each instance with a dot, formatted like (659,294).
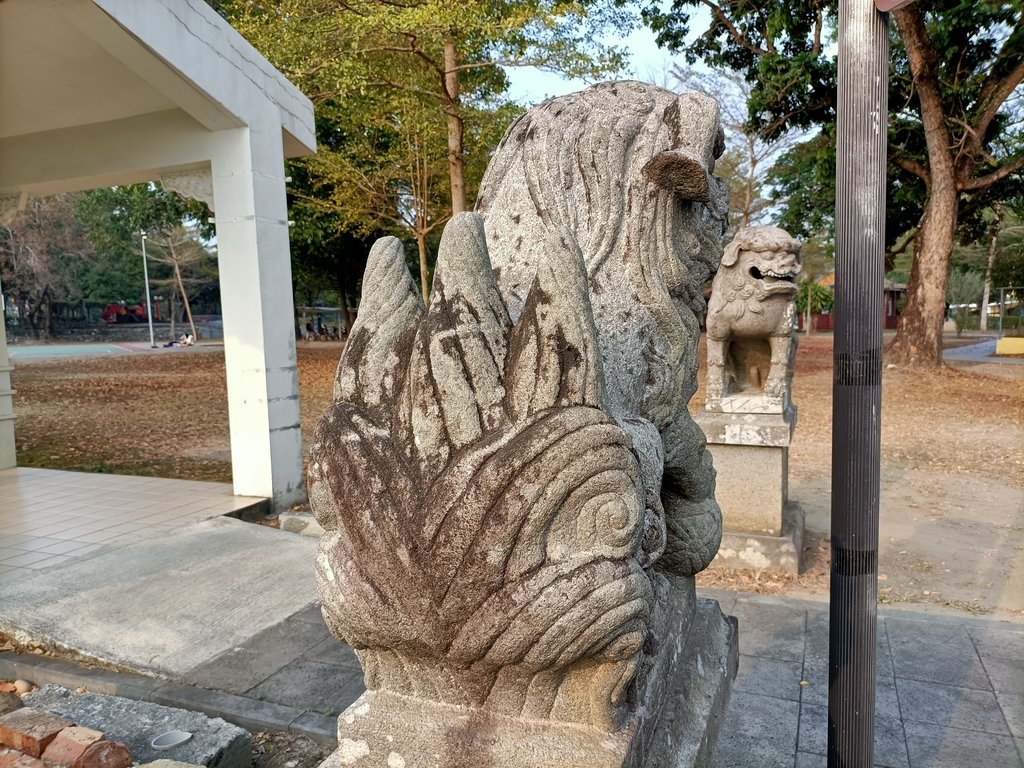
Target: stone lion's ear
(731,253)
(682,171)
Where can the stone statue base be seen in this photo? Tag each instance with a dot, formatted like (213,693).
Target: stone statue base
(762,527)
(757,551)
(676,724)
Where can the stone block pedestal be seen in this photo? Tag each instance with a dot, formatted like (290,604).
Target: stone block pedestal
(675,726)
(762,527)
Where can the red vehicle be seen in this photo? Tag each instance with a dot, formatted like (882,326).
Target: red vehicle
(123,313)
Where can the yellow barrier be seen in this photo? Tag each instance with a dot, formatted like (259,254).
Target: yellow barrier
(1010,345)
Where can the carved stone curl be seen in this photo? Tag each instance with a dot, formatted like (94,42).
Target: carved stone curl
(750,322)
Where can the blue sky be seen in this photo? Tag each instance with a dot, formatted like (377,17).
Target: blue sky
(647,62)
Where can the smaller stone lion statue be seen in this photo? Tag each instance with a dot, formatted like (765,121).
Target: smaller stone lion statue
(751,316)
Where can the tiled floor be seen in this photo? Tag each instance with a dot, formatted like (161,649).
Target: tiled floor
(949,691)
(48,517)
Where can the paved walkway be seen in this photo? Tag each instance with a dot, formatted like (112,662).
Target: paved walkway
(100,349)
(222,616)
(982,352)
(49,517)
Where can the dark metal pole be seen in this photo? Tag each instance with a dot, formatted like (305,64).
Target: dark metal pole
(857,387)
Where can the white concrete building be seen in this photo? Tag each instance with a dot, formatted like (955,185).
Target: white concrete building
(95,93)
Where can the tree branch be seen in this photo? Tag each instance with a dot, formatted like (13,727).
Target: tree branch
(912,166)
(736,35)
(986,181)
(994,94)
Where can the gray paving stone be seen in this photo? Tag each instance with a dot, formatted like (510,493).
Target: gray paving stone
(251,714)
(769,677)
(332,651)
(949,706)
(758,732)
(771,630)
(241,668)
(1012,705)
(936,652)
(811,760)
(323,688)
(310,613)
(1003,643)
(932,746)
(1005,674)
(890,744)
(816,691)
(816,644)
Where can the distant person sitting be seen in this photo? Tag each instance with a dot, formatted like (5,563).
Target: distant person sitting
(185,340)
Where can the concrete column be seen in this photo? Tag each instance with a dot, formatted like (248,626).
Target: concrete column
(8,456)
(256,295)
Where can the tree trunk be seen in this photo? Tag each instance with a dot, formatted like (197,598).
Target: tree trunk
(421,243)
(48,332)
(455,129)
(174,311)
(987,292)
(184,299)
(918,341)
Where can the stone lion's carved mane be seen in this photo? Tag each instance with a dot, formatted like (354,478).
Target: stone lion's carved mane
(625,170)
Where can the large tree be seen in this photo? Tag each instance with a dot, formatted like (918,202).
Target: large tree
(448,53)
(955,124)
(41,249)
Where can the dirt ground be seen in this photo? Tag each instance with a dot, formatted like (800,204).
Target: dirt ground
(952,483)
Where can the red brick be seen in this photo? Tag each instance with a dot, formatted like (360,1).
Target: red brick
(69,745)
(30,730)
(104,754)
(12,758)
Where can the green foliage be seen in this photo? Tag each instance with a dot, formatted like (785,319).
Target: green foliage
(114,218)
(963,289)
(819,298)
(783,50)
(394,118)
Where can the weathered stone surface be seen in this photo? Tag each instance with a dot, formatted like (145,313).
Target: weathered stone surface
(214,743)
(753,487)
(514,496)
(755,552)
(751,317)
(624,171)
(30,729)
(767,429)
(692,678)
(9,702)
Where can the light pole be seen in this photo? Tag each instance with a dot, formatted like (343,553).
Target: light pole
(149,304)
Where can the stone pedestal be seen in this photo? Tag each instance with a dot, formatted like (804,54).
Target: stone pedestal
(762,527)
(675,724)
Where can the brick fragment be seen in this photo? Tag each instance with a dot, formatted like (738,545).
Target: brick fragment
(12,758)
(70,744)
(30,730)
(104,754)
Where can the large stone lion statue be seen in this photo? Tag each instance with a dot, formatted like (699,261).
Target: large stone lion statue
(750,316)
(624,171)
